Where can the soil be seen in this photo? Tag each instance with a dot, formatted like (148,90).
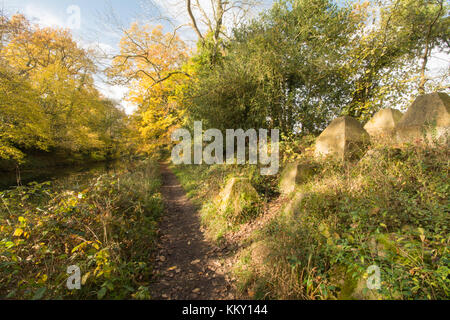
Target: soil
(188,266)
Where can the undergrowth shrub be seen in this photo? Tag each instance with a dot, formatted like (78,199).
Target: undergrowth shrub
(106,226)
(391,209)
(203,183)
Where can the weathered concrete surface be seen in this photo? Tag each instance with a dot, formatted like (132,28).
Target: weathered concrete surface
(237,195)
(383,123)
(344,138)
(295,174)
(428,116)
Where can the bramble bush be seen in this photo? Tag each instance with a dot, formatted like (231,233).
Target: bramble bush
(390,209)
(203,183)
(107,228)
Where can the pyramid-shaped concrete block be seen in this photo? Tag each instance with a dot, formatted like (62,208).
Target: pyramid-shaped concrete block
(428,116)
(344,138)
(295,174)
(383,123)
(237,193)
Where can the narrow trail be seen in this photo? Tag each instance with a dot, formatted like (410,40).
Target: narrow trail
(188,266)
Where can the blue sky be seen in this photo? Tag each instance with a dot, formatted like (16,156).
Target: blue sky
(93,14)
(56,9)
(98,29)
(99,20)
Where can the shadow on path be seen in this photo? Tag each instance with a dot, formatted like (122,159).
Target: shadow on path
(188,266)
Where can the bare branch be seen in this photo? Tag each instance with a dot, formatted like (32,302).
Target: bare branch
(194,22)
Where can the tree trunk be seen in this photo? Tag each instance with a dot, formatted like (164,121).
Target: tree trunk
(426,54)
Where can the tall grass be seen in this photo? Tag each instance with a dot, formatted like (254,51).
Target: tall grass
(106,226)
(390,209)
(203,184)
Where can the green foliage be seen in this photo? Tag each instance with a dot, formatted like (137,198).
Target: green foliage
(107,228)
(303,63)
(384,59)
(389,210)
(22,121)
(48,100)
(281,71)
(204,183)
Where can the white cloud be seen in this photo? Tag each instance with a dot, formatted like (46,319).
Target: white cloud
(43,17)
(439,68)
(101,48)
(176,12)
(439,61)
(117,93)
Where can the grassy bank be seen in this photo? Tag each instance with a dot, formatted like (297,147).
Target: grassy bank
(106,226)
(203,184)
(389,210)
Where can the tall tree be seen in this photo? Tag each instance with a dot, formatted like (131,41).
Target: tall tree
(424,27)
(22,122)
(392,50)
(151,64)
(281,71)
(58,77)
(217,18)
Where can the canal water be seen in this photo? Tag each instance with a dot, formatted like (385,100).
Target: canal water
(10,180)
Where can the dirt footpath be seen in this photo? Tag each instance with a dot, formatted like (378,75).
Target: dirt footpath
(188,266)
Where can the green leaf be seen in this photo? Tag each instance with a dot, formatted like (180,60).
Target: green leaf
(131,289)
(11,294)
(101,293)
(39,293)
